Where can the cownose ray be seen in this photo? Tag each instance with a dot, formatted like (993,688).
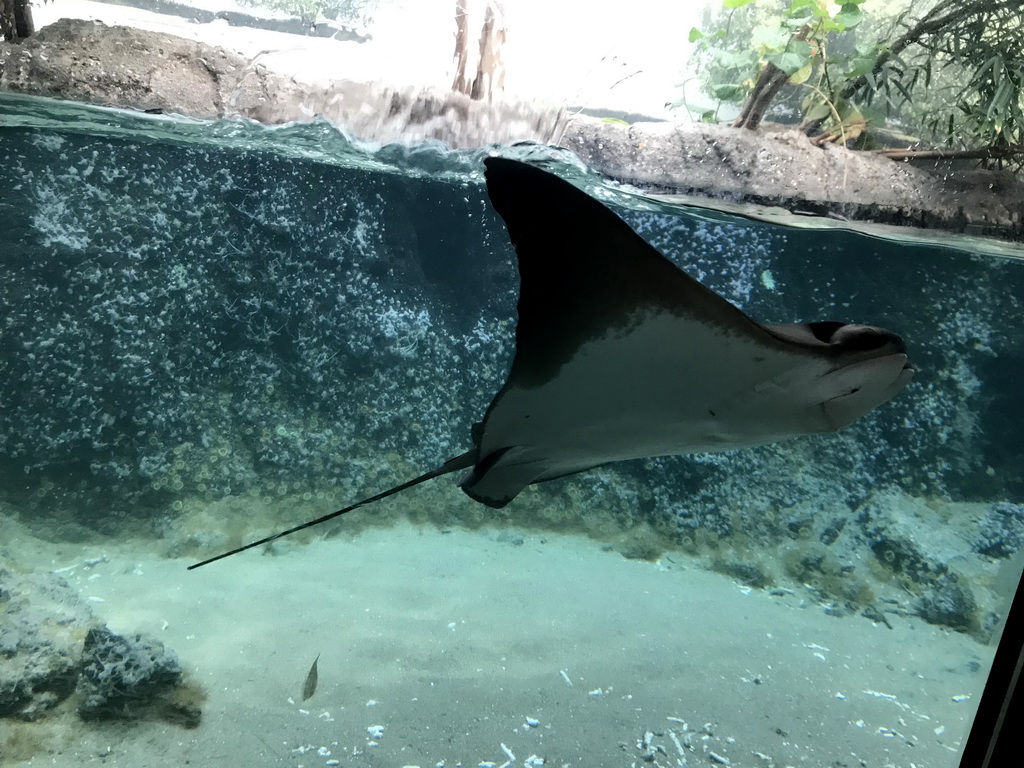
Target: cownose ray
(622,355)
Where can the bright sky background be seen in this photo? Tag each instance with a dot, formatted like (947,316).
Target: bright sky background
(571,51)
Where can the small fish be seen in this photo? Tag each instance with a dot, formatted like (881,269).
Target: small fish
(309,687)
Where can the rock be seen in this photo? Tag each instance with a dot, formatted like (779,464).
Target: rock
(778,166)
(42,621)
(1001,533)
(136,69)
(949,602)
(90,62)
(40,685)
(832,530)
(130,678)
(52,646)
(905,536)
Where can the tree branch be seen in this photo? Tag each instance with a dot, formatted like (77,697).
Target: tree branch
(769,82)
(930,23)
(994,152)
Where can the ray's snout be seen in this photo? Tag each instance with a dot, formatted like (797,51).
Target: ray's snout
(874,343)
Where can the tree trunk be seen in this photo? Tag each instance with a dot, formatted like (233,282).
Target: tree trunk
(7,25)
(23,24)
(489,74)
(769,82)
(459,85)
(1000,152)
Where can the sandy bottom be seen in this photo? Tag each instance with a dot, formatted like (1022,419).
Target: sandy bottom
(450,641)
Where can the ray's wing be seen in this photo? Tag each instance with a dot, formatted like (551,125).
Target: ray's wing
(585,272)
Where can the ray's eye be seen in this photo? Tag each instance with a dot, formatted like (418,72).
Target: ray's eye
(866,338)
(867,341)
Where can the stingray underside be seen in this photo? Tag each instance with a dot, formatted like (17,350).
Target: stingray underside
(620,354)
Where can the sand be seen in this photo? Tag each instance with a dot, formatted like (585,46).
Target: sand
(454,642)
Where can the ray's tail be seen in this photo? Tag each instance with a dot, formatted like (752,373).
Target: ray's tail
(462,461)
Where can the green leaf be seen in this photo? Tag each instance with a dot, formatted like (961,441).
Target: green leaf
(849,17)
(827,26)
(821,11)
(797,55)
(989,64)
(735,3)
(867,48)
(728,91)
(736,59)
(913,80)
(902,89)
(788,61)
(800,47)
(696,34)
(797,5)
(708,116)
(999,100)
(860,65)
(820,111)
(795,22)
(770,37)
(873,116)
(801,75)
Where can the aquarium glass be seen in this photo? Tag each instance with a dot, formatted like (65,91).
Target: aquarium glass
(213,331)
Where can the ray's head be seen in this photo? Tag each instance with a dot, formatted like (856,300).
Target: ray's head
(870,367)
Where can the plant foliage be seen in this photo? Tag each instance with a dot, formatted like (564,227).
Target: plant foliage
(951,73)
(956,73)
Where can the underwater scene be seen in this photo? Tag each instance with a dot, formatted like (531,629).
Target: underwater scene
(211,332)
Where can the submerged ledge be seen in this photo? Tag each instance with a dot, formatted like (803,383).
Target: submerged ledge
(137,69)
